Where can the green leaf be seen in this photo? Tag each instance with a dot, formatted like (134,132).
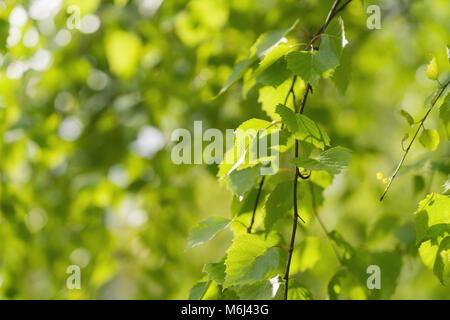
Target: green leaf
(311,65)
(206,230)
(350,282)
(262,47)
(432,71)
(342,74)
(197,291)
(444,113)
(238,72)
(241,181)
(304,64)
(274,75)
(333,160)
(261,290)
(244,136)
(278,205)
(215,271)
(270,97)
(405,114)
(275,55)
(442,261)
(433,210)
(342,244)
(306,254)
(429,139)
(267,41)
(250,259)
(303,127)
(296,291)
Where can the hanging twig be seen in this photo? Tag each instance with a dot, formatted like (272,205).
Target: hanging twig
(333,12)
(391,179)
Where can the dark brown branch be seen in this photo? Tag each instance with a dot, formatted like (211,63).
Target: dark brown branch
(249,230)
(333,11)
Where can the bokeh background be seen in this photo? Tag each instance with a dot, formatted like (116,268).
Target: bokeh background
(86,116)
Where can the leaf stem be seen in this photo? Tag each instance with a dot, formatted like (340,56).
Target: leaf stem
(322,225)
(400,164)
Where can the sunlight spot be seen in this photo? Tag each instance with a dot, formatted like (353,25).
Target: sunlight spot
(31,37)
(97,80)
(70,129)
(44,9)
(118,175)
(41,60)
(150,140)
(137,218)
(16,69)
(63,37)
(18,17)
(14,36)
(64,101)
(90,23)
(36,219)
(149,7)
(80,257)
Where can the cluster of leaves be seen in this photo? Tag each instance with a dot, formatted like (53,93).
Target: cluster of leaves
(254,264)
(432,218)
(124,216)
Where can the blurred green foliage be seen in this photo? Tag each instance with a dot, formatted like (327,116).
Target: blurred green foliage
(86,117)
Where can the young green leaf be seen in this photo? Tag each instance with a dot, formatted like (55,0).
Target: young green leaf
(270,97)
(198,290)
(278,205)
(241,181)
(444,114)
(442,261)
(429,139)
(261,290)
(250,259)
(311,65)
(405,114)
(303,127)
(333,160)
(297,292)
(215,271)
(304,64)
(267,41)
(306,254)
(206,230)
(263,45)
(432,71)
(342,74)
(238,72)
(433,210)
(274,75)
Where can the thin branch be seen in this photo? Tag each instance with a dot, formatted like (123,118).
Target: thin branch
(325,230)
(249,230)
(400,164)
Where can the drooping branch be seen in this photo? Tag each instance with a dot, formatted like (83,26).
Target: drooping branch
(332,13)
(400,164)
